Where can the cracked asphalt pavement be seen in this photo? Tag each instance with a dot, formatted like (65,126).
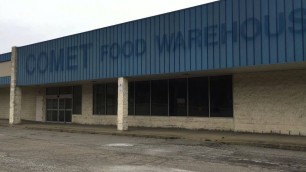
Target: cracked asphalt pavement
(36,150)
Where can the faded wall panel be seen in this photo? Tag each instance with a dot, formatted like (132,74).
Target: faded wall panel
(5,69)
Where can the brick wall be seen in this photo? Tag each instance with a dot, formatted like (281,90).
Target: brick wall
(182,122)
(95,119)
(270,102)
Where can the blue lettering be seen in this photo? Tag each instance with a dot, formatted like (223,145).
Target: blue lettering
(211,34)
(140,47)
(103,52)
(224,32)
(127,49)
(42,62)
(195,36)
(179,41)
(30,64)
(298,18)
(58,60)
(164,44)
(85,50)
(114,50)
(57,63)
(71,58)
(279,29)
(256,28)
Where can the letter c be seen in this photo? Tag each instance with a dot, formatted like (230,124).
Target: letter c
(42,62)
(30,60)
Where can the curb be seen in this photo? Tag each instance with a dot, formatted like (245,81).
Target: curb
(116,133)
(294,147)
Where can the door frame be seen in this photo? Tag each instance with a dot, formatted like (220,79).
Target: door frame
(58,98)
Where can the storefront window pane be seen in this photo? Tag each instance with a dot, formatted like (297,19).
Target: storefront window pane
(52,91)
(49,115)
(99,99)
(159,96)
(65,90)
(77,100)
(221,97)
(142,98)
(198,96)
(54,115)
(178,97)
(111,98)
(131,98)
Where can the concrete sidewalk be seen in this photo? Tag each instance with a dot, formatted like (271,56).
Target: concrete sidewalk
(262,140)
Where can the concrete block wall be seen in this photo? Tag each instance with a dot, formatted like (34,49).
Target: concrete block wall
(226,124)
(95,119)
(4,103)
(270,102)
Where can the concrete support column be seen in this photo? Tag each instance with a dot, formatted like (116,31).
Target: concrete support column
(87,100)
(41,105)
(122,116)
(15,92)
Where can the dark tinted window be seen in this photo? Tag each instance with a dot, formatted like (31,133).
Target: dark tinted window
(178,97)
(111,99)
(77,100)
(142,98)
(65,90)
(159,97)
(198,96)
(52,91)
(221,98)
(99,99)
(131,98)
(105,99)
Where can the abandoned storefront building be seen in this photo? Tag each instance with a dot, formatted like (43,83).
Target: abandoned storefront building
(236,65)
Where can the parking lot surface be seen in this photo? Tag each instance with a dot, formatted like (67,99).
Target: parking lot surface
(36,150)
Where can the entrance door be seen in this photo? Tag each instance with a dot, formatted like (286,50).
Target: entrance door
(59,104)
(59,109)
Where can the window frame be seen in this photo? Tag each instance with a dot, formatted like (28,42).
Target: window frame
(73,99)
(105,85)
(187,98)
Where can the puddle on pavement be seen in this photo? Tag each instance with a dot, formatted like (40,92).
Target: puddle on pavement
(157,151)
(119,145)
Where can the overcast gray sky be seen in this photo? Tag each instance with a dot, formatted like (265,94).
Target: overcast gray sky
(25,22)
